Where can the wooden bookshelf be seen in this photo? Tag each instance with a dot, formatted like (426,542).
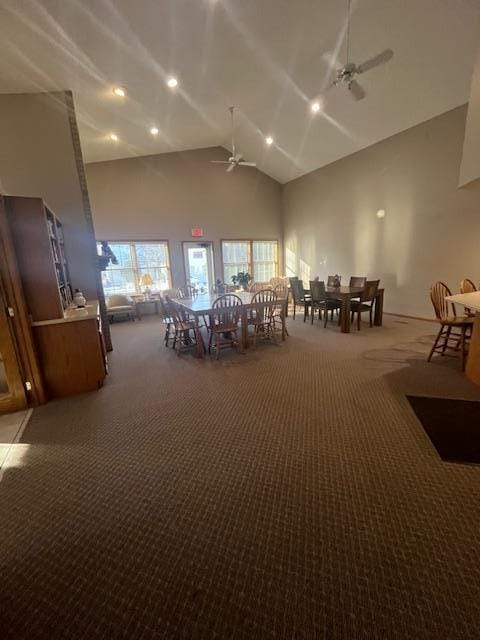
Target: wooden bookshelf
(39,246)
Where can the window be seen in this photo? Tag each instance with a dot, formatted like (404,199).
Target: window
(258,257)
(134,260)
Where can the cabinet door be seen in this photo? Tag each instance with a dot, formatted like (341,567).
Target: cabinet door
(12,392)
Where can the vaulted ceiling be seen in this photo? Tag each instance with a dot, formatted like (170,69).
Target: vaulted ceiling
(268,57)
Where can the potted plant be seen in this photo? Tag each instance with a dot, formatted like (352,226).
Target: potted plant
(106,256)
(242,279)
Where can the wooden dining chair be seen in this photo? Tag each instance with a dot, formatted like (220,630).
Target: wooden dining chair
(187,332)
(300,298)
(357,281)
(261,316)
(366,302)
(255,287)
(320,301)
(279,314)
(468,286)
(455,331)
(331,280)
(224,323)
(188,291)
(275,281)
(167,321)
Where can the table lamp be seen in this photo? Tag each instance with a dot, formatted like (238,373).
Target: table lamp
(146,281)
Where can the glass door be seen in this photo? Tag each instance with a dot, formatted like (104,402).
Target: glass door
(199,265)
(12,392)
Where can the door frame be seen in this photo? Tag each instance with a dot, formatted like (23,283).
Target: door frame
(199,243)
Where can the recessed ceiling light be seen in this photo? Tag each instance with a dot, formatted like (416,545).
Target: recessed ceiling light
(113,137)
(315,107)
(154,131)
(269,140)
(120,92)
(381,213)
(172,82)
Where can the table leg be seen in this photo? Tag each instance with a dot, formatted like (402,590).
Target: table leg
(473,360)
(244,332)
(200,347)
(345,315)
(378,312)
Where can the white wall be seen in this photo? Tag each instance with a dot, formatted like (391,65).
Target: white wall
(431,230)
(165,196)
(37,159)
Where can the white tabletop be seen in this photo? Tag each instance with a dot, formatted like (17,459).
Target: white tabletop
(470,300)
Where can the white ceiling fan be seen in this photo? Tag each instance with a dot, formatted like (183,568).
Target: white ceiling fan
(236,159)
(347,75)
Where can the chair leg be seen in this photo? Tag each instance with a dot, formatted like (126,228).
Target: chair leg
(447,337)
(294,309)
(371,316)
(359,319)
(325,317)
(434,346)
(464,351)
(312,313)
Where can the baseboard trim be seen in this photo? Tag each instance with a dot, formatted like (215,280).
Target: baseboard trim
(402,315)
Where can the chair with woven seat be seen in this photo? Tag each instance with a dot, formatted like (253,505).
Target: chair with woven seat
(453,329)
(468,286)
(224,323)
(276,280)
(300,297)
(366,302)
(120,305)
(320,301)
(186,330)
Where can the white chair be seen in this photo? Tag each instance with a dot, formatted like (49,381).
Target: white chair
(120,305)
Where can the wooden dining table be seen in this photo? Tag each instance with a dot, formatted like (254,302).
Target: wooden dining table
(202,305)
(471,301)
(346,295)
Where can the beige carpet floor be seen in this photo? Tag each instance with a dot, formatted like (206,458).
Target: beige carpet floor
(288,493)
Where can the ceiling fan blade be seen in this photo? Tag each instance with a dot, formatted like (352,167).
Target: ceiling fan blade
(238,157)
(358,92)
(231,167)
(247,164)
(219,161)
(381,58)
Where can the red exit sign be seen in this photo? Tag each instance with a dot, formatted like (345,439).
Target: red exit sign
(197,232)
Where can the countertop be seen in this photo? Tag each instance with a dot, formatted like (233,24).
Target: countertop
(73,315)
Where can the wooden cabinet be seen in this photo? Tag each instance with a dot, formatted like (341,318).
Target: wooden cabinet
(72,356)
(68,345)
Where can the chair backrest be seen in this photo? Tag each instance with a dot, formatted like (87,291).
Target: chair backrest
(358,281)
(276,281)
(269,298)
(118,300)
(298,292)
(369,291)
(281,290)
(255,287)
(227,310)
(467,286)
(186,292)
(164,307)
(438,292)
(174,311)
(331,280)
(317,290)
